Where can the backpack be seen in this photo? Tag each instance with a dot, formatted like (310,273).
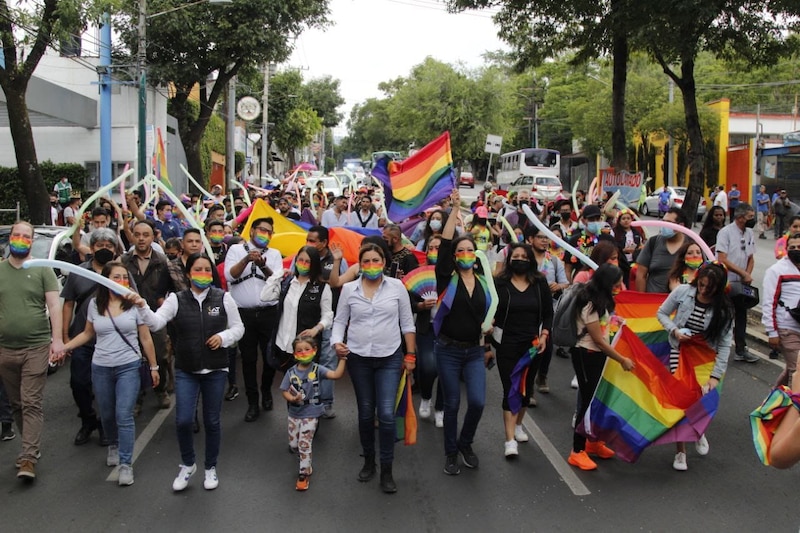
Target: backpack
(564,331)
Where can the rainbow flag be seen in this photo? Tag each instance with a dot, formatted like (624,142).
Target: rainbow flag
(405,417)
(161,161)
(765,419)
(639,311)
(419,182)
(649,405)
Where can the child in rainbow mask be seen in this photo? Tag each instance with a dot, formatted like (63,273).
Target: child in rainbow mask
(301,390)
(689,259)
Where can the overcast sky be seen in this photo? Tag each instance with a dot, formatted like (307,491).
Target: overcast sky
(372,41)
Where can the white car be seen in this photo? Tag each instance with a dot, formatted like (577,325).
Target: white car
(676,196)
(544,188)
(330,184)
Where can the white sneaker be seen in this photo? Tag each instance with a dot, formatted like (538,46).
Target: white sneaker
(211,482)
(680,462)
(519,434)
(112,459)
(182,481)
(424,408)
(438,417)
(701,445)
(125,476)
(574,382)
(574,418)
(511,449)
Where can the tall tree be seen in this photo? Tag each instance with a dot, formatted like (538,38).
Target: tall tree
(324,96)
(202,47)
(25,33)
(679,30)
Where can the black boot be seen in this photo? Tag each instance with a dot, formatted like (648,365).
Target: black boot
(387,481)
(368,470)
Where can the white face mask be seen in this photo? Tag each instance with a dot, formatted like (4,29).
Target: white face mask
(436,225)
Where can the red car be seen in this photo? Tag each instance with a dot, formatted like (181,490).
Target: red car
(466,178)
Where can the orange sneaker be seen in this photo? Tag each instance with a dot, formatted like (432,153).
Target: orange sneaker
(302,482)
(599,449)
(581,460)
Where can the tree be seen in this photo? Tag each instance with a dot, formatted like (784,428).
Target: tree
(679,30)
(25,34)
(323,96)
(202,47)
(301,125)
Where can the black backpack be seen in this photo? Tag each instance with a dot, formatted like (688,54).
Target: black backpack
(565,317)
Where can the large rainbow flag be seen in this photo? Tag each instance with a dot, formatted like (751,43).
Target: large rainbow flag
(161,161)
(649,405)
(419,182)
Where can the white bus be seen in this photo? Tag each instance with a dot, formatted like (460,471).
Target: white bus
(526,164)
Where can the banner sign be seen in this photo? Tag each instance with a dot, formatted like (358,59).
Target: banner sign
(629,185)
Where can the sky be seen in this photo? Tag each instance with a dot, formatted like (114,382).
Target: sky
(372,41)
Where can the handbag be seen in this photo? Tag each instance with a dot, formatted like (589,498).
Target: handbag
(146,381)
(744,294)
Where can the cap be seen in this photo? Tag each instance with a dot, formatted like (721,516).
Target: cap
(482,212)
(591,211)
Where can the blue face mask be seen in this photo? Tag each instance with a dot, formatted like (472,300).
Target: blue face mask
(594,227)
(667,233)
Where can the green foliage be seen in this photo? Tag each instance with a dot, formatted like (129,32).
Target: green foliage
(239,159)
(213,141)
(323,95)
(301,125)
(11,192)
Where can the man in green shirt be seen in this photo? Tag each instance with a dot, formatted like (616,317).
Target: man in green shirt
(63,190)
(28,340)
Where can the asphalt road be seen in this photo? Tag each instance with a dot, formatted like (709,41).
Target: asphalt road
(728,490)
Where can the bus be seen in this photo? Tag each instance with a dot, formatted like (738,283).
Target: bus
(395,156)
(528,162)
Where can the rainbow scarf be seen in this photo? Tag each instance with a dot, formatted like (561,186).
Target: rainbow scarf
(419,182)
(518,389)
(445,301)
(764,421)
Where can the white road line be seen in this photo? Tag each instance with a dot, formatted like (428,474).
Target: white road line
(562,467)
(145,437)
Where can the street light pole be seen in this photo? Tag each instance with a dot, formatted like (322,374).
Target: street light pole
(230,124)
(141,67)
(268,68)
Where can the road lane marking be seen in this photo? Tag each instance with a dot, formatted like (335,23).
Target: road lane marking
(145,437)
(551,453)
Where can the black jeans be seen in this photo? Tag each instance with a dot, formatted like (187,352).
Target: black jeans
(739,325)
(80,381)
(588,367)
(259,326)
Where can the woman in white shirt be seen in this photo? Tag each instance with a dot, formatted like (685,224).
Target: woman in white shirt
(375,312)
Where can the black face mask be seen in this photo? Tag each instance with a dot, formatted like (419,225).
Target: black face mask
(566,216)
(750,223)
(172,256)
(103,256)
(523,202)
(794,256)
(520,266)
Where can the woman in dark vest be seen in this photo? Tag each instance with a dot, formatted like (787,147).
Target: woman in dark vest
(205,321)
(305,306)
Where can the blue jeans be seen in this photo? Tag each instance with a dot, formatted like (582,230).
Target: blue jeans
(426,369)
(375,381)
(116,389)
(188,387)
(80,381)
(327,357)
(453,363)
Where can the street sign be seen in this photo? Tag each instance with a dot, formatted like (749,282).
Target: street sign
(493,144)
(248,108)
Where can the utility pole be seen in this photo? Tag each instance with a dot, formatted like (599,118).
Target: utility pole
(670,148)
(230,125)
(268,69)
(104,67)
(141,61)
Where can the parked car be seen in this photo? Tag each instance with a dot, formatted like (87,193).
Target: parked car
(330,183)
(676,197)
(466,179)
(544,188)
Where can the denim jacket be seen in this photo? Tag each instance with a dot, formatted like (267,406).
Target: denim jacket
(681,301)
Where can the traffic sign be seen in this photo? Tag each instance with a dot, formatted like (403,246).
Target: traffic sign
(493,144)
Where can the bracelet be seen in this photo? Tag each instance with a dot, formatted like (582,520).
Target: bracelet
(155,368)
(410,358)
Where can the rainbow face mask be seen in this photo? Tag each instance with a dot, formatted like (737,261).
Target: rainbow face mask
(302,267)
(216,238)
(20,246)
(261,240)
(694,264)
(372,272)
(305,356)
(123,282)
(465,260)
(433,256)
(201,280)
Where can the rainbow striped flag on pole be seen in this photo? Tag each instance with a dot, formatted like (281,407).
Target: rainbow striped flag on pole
(419,182)
(161,161)
(649,405)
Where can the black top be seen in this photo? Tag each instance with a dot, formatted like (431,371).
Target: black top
(463,323)
(520,313)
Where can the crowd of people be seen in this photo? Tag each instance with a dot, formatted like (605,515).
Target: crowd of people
(191,319)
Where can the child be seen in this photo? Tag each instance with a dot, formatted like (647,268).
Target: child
(300,387)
